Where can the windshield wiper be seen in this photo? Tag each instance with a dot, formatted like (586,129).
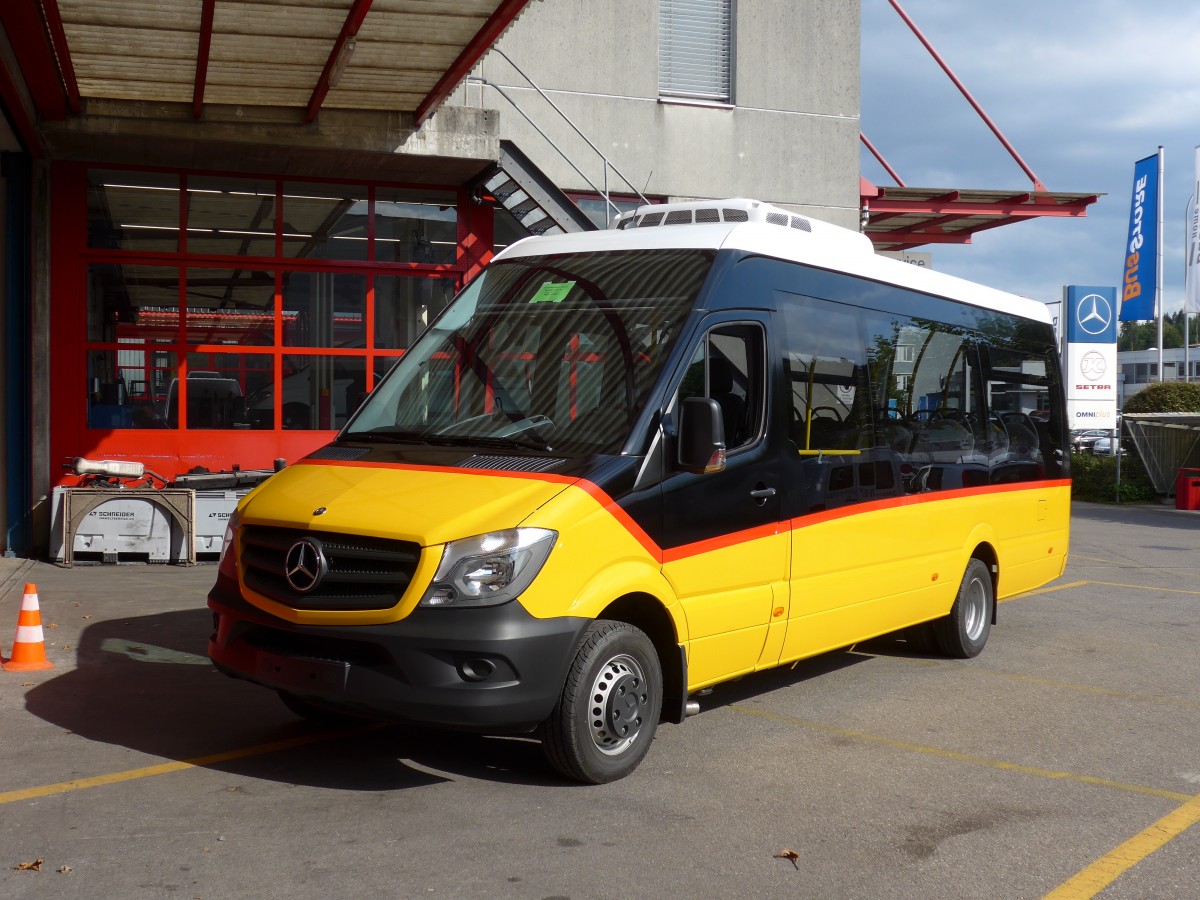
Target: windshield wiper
(500,443)
(400,436)
(388,436)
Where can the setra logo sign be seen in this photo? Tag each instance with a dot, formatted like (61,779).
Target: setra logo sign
(1093,366)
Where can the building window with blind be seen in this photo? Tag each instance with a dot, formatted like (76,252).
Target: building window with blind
(695,50)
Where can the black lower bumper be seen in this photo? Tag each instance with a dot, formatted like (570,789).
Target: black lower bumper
(491,669)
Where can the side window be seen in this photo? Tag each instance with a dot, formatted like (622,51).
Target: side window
(728,366)
(827,375)
(1021,387)
(937,409)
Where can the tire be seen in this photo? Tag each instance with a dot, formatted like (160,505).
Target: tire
(314,713)
(609,708)
(963,633)
(921,638)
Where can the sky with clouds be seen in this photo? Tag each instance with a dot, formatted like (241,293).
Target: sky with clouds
(1081,88)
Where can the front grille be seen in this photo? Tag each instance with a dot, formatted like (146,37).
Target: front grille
(361,572)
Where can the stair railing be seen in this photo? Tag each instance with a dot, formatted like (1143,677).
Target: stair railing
(604,191)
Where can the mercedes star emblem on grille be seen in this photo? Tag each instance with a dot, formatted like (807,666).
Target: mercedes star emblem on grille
(305,565)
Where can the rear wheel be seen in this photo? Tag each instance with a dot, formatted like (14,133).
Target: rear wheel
(608,711)
(963,633)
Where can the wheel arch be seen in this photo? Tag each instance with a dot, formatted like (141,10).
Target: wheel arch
(986,554)
(647,613)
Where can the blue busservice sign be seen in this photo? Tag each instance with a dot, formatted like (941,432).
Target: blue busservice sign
(1139,282)
(1091,315)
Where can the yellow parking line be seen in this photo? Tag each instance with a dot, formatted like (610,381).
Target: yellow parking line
(1048,590)
(1032,679)
(1146,587)
(1113,864)
(962,757)
(1099,874)
(62,787)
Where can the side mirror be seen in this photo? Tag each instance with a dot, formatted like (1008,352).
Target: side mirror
(701,436)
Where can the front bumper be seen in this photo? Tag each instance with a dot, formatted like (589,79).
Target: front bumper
(491,669)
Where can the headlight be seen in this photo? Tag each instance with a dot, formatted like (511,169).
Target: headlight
(489,569)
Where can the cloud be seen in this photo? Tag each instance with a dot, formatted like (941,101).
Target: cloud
(1080,90)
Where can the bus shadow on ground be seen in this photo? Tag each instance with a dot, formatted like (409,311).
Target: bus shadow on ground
(759,684)
(146,683)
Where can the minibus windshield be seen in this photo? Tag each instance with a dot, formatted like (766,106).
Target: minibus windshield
(549,353)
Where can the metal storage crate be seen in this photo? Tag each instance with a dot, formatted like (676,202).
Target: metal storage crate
(111,525)
(213,509)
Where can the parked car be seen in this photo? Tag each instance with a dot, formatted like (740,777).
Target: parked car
(1106,446)
(1082,441)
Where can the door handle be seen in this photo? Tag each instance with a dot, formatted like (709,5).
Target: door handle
(762,493)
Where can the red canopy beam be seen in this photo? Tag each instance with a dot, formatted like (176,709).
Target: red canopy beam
(479,45)
(206,29)
(62,53)
(354,20)
(917,238)
(11,96)
(1037,183)
(940,199)
(30,41)
(973,208)
(883,162)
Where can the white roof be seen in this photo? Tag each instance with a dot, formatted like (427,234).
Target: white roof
(823,246)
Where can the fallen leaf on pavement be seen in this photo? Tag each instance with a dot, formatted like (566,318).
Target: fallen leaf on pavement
(35,866)
(789,855)
(64,870)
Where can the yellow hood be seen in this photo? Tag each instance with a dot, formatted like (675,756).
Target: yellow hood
(428,505)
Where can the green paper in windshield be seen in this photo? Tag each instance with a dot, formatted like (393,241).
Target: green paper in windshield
(552,293)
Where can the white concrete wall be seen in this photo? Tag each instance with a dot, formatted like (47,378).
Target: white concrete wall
(790,136)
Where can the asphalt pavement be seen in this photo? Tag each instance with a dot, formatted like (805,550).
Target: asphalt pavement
(1063,761)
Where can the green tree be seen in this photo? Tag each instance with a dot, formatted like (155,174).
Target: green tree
(1165,396)
(1144,335)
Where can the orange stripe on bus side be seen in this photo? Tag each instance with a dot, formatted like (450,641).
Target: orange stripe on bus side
(674,554)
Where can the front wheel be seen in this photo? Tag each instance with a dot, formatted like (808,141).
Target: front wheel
(963,633)
(608,711)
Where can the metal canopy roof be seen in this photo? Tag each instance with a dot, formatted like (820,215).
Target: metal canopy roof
(385,55)
(903,217)
(900,218)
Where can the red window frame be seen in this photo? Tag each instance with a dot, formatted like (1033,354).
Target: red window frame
(176,450)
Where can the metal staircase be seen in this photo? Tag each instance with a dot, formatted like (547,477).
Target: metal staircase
(532,198)
(525,191)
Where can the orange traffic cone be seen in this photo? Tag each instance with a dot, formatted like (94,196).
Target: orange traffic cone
(29,645)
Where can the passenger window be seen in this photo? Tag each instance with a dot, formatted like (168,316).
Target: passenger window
(826,365)
(728,367)
(1020,386)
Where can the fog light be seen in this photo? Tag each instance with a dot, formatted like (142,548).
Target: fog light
(440,597)
(477,669)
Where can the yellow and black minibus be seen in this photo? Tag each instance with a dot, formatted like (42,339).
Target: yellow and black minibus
(624,466)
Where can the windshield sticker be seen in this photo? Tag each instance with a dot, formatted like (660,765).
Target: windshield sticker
(552,293)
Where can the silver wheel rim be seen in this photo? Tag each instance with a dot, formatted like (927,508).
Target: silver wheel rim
(617,705)
(974,609)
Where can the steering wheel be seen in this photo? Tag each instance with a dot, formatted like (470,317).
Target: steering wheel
(816,410)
